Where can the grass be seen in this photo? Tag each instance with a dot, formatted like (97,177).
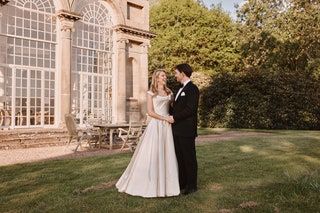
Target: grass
(279,172)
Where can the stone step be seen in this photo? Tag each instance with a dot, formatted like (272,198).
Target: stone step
(26,138)
(31,136)
(31,130)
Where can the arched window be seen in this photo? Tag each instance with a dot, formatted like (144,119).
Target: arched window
(92,62)
(27,63)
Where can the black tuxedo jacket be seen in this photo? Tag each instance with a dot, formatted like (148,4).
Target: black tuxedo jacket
(185,110)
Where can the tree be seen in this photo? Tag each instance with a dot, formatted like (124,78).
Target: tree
(277,83)
(292,25)
(188,32)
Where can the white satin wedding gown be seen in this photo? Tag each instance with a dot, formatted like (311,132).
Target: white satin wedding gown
(153,169)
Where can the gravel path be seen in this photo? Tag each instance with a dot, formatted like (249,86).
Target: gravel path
(229,135)
(16,156)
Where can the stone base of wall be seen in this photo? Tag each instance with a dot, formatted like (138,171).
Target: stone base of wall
(133,110)
(26,138)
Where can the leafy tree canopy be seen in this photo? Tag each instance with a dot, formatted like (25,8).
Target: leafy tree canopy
(281,32)
(189,32)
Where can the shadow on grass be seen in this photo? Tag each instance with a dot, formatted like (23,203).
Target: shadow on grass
(262,174)
(258,169)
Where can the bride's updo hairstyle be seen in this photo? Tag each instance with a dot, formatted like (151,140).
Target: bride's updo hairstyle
(154,83)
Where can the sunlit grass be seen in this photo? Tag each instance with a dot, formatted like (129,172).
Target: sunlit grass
(277,172)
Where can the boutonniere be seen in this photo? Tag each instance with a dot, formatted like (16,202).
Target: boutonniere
(183,94)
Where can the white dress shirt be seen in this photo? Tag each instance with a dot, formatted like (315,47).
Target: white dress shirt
(184,84)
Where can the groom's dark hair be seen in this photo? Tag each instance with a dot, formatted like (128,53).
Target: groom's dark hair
(185,68)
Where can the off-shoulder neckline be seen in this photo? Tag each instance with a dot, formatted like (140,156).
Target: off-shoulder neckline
(151,93)
(163,96)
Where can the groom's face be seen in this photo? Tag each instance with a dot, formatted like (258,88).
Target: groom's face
(179,75)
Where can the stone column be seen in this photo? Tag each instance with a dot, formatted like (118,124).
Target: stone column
(121,81)
(66,27)
(3,52)
(144,79)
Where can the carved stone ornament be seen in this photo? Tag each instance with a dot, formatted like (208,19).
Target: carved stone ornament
(67,19)
(134,31)
(69,15)
(3,2)
(144,47)
(67,25)
(123,40)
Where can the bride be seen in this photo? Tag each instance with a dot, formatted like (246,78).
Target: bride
(153,169)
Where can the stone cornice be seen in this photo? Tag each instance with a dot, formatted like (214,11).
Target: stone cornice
(68,15)
(3,2)
(134,31)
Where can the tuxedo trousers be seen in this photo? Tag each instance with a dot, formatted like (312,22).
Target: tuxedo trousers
(187,161)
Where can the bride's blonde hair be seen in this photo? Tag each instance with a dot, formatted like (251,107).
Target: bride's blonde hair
(154,83)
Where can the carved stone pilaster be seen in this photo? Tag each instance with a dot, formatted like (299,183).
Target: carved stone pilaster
(144,47)
(3,2)
(121,77)
(66,22)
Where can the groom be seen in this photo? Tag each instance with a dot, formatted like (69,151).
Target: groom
(184,128)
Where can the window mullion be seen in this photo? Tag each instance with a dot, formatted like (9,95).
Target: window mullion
(42,97)
(28,97)
(13,99)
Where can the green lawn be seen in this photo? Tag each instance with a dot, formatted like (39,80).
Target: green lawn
(279,172)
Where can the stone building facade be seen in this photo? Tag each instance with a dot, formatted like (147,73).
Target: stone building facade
(83,57)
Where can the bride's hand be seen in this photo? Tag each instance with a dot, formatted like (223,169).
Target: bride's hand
(166,118)
(169,119)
